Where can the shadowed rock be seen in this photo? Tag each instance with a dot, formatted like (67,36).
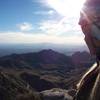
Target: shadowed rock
(55,94)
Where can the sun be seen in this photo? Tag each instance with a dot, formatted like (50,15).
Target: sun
(66,7)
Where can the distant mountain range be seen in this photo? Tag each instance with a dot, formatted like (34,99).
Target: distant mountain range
(47,59)
(82,59)
(24,76)
(7,49)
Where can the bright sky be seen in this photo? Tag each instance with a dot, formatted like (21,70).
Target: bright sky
(37,21)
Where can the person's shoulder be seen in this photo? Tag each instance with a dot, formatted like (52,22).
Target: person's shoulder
(87,82)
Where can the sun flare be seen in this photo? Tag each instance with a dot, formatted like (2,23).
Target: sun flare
(66,7)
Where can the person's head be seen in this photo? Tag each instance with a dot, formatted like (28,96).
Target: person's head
(90,25)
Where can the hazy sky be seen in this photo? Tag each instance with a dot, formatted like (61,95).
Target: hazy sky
(36,21)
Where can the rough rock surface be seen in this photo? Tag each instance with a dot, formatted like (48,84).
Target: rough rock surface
(55,94)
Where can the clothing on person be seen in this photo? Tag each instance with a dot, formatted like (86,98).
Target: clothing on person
(87,88)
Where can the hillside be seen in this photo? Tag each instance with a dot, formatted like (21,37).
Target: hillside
(41,59)
(39,71)
(12,88)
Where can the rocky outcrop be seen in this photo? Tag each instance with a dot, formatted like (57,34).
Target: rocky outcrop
(12,88)
(36,82)
(55,94)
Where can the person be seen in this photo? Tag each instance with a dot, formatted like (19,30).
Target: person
(89,86)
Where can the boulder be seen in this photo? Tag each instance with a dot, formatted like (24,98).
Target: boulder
(55,94)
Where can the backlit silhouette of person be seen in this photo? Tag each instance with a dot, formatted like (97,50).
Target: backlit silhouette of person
(89,86)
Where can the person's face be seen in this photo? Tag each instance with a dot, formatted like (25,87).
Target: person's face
(88,38)
(86,29)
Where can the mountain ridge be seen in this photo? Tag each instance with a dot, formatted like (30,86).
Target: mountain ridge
(37,59)
(37,72)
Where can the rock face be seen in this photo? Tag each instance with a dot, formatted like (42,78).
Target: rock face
(12,88)
(55,94)
(36,82)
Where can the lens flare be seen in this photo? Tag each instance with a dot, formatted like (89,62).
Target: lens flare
(66,7)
